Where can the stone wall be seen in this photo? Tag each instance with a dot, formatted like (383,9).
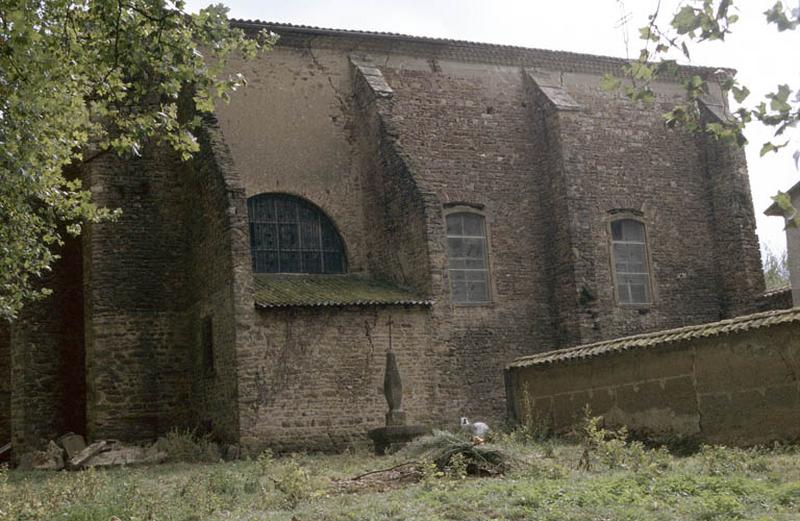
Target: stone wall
(792,242)
(319,374)
(774,299)
(290,131)
(393,204)
(732,388)
(524,137)
(216,228)
(136,290)
(620,159)
(457,124)
(468,140)
(736,249)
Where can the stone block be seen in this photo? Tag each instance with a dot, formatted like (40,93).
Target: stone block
(72,443)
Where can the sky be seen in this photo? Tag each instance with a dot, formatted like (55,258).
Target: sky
(763,57)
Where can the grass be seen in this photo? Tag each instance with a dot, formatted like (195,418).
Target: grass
(617,480)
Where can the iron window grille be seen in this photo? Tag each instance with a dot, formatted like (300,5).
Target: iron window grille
(290,235)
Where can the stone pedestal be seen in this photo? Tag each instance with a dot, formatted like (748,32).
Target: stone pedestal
(396,435)
(396,431)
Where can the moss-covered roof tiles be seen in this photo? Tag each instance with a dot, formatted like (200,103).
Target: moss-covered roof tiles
(647,340)
(288,290)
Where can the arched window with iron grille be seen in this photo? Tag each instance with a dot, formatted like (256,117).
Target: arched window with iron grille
(290,235)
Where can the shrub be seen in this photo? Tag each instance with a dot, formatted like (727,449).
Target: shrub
(612,449)
(293,482)
(186,446)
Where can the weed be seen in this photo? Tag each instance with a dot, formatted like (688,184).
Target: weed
(293,482)
(186,446)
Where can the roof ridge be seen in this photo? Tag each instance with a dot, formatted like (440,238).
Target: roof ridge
(617,60)
(661,337)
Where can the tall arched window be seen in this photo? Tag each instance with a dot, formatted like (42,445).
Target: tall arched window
(290,235)
(467,258)
(629,261)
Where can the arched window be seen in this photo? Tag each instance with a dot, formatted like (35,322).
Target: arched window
(290,235)
(629,262)
(467,258)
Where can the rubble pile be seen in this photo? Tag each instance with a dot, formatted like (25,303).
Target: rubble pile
(71,452)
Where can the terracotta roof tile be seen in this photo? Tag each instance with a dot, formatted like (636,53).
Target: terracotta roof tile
(649,340)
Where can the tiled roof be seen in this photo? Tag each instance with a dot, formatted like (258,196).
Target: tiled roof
(776,291)
(775,210)
(469,50)
(648,340)
(289,290)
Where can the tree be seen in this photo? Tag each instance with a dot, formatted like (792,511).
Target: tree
(81,78)
(694,22)
(776,269)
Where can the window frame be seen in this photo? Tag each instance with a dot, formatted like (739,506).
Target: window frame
(465,208)
(629,216)
(323,219)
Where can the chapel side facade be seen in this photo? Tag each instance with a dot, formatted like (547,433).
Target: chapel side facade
(391,139)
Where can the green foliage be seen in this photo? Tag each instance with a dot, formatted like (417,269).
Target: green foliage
(293,482)
(187,447)
(612,449)
(698,21)
(80,78)
(717,483)
(776,269)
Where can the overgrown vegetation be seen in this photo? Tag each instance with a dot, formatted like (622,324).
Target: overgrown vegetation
(600,476)
(187,447)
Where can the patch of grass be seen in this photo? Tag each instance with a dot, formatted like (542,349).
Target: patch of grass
(544,484)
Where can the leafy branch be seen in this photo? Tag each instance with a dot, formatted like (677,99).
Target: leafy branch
(83,78)
(698,21)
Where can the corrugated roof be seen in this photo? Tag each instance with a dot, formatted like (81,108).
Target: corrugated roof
(648,340)
(485,51)
(289,290)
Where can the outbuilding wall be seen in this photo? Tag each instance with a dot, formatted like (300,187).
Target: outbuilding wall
(740,388)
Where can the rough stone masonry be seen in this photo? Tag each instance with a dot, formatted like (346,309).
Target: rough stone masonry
(158,320)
